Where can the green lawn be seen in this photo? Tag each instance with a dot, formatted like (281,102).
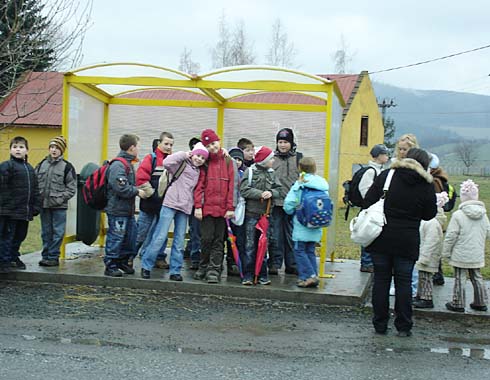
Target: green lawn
(346,249)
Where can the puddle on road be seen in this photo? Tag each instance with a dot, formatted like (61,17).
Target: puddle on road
(474,353)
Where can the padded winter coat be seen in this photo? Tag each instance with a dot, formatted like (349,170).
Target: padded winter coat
(431,237)
(215,191)
(19,191)
(121,189)
(262,180)
(286,169)
(410,199)
(146,173)
(466,233)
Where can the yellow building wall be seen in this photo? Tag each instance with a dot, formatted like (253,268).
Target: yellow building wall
(351,152)
(37,137)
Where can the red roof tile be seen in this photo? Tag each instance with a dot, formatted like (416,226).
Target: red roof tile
(164,94)
(346,83)
(278,97)
(37,101)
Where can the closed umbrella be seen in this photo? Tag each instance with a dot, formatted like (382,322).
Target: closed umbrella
(262,225)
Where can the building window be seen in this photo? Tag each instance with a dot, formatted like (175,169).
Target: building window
(364,130)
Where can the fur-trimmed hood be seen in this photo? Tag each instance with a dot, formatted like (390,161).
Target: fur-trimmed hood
(411,164)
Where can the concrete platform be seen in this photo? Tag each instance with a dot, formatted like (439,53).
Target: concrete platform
(84,266)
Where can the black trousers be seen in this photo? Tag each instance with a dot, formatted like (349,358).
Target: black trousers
(212,244)
(386,267)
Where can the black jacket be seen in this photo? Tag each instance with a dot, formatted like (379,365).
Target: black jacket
(19,191)
(410,199)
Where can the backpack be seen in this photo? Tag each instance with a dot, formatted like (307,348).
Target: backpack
(95,187)
(315,209)
(68,168)
(451,192)
(166,179)
(352,195)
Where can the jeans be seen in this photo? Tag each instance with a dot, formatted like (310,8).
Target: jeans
(121,239)
(305,259)
(212,244)
(281,239)
(195,238)
(53,223)
(159,236)
(386,266)
(250,257)
(12,234)
(146,227)
(366,260)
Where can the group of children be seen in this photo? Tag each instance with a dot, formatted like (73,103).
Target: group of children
(200,188)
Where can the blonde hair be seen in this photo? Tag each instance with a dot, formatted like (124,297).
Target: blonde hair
(408,138)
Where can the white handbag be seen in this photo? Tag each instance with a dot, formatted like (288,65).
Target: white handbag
(367,226)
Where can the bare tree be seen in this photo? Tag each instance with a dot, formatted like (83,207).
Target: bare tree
(342,56)
(34,37)
(467,152)
(232,49)
(282,52)
(241,48)
(186,64)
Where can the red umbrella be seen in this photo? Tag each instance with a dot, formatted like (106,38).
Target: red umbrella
(234,248)
(262,225)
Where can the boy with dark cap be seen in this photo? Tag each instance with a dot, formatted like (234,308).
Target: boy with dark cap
(286,170)
(58,184)
(380,155)
(248,150)
(214,200)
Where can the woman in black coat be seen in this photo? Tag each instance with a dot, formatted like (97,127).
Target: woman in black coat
(410,198)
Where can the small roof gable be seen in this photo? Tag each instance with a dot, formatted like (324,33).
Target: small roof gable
(36,101)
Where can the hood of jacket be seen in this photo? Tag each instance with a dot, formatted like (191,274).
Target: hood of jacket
(473,209)
(375,165)
(314,182)
(126,155)
(413,170)
(439,173)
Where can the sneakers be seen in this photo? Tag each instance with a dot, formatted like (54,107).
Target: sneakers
(49,263)
(450,306)
(478,307)
(125,268)
(112,272)
(310,282)
(146,274)
(367,269)
(438,279)
(175,277)
(423,304)
(212,278)
(247,282)
(131,262)
(199,275)
(264,281)
(18,264)
(162,264)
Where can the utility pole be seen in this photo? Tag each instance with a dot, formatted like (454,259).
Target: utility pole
(384,105)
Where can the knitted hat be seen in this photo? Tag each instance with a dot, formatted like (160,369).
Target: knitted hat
(193,141)
(263,155)
(209,136)
(468,191)
(434,161)
(285,134)
(59,142)
(200,149)
(236,153)
(379,149)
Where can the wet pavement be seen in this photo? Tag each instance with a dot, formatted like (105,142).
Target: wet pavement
(59,331)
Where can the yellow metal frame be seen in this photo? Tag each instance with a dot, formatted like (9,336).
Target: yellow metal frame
(208,87)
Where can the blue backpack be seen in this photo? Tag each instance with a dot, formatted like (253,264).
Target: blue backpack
(315,209)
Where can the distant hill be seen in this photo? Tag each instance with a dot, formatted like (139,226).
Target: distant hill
(437,117)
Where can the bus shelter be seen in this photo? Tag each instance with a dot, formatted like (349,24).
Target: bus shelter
(102,102)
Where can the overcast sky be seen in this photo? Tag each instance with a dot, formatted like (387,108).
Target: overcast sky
(381,34)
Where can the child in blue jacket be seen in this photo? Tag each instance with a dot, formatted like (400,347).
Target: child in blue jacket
(305,238)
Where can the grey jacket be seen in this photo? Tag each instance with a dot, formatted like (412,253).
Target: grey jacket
(287,172)
(57,182)
(262,180)
(121,189)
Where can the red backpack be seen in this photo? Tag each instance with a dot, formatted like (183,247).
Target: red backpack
(95,188)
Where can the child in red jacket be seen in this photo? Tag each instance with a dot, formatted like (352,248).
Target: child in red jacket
(214,200)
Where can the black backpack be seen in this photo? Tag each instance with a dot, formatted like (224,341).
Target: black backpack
(451,192)
(352,195)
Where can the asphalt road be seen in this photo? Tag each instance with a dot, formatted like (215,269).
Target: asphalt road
(78,332)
